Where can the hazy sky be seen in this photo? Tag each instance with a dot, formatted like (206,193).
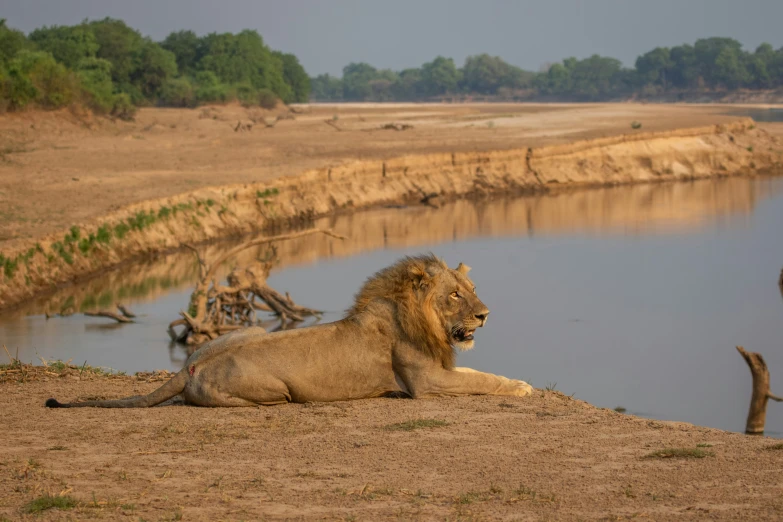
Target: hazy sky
(327,35)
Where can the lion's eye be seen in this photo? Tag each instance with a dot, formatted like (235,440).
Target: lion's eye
(455,295)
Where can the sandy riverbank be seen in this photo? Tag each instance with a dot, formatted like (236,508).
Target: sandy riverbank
(546,457)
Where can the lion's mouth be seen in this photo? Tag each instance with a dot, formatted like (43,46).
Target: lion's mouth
(465,335)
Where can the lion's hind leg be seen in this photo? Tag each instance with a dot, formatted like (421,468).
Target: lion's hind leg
(207,394)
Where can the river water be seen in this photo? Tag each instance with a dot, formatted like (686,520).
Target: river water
(630,296)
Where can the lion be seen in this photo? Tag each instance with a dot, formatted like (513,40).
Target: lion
(398,339)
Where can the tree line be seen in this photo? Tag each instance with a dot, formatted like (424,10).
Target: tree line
(710,65)
(111,68)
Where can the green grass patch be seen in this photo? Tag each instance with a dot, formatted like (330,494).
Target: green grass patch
(142,220)
(416,424)
(85,245)
(46,502)
(620,409)
(181,207)
(103,235)
(267,193)
(703,445)
(120,229)
(63,251)
(679,453)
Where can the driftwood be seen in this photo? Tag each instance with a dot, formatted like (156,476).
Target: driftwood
(111,315)
(124,311)
(757,415)
(215,309)
(125,315)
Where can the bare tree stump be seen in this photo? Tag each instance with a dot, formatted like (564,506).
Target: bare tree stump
(757,415)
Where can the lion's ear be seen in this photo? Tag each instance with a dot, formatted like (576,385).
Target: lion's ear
(463,269)
(421,279)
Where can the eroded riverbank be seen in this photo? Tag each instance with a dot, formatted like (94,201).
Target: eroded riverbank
(156,226)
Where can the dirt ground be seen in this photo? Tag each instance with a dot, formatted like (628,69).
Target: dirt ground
(60,169)
(546,457)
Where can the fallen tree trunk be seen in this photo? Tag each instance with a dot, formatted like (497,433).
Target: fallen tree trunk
(757,415)
(215,309)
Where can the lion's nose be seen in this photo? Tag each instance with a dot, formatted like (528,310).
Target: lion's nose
(482,317)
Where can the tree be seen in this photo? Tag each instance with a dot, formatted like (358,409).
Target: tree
(187,48)
(685,72)
(557,80)
(409,85)
(118,44)
(326,88)
(295,77)
(439,76)
(244,58)
(729,69)
(152,67)
(760,66)
(11,42)
(95,77)
(654,67)
(68,44)
(356,81)
(484,73)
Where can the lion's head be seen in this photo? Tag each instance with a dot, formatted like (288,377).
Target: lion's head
(437,307)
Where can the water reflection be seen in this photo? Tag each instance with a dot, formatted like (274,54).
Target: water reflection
(764,115)
(629,210)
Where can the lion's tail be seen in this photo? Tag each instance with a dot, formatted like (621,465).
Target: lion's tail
(172,388)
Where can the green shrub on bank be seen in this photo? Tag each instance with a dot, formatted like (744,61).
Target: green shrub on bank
(178,92)
(34,77)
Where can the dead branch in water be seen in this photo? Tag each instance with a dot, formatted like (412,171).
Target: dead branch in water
(215,310)
(757,415)
(111,315)
(124,311)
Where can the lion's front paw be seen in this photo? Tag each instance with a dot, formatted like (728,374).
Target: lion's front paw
(520,388)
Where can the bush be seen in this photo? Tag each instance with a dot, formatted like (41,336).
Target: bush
(98,91)
(123,107)
(177,92)
(35,77)
(267,99)
(209,89)
(18,89)
(245,94)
